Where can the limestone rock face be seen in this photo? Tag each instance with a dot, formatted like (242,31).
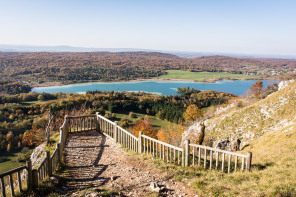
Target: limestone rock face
(194,133)
(284,84)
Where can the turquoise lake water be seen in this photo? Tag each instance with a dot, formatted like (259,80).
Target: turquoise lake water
(158,87)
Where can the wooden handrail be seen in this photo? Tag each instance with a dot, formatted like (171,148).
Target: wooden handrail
(106,119)
(82,116)
(126,132)
(13,171)
(163,143)
(218,150)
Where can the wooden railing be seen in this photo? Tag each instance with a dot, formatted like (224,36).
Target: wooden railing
(106,126)
(189,155)
(120,135)
(127,139)
(49,163)
(162,150)
(82,123)
(215,158)
(7,177)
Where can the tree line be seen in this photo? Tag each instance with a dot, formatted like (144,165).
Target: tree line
(106,66)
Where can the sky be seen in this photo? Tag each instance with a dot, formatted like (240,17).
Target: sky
(228,26)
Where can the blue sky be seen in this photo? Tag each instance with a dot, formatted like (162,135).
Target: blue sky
(234,26)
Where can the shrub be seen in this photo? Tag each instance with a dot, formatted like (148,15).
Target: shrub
(132,115)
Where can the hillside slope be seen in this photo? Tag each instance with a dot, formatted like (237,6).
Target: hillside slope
(275,112)
(268,130)
(272,173)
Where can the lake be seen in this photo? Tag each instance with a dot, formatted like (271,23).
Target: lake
(158,87)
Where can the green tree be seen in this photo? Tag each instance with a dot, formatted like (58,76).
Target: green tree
(41,97)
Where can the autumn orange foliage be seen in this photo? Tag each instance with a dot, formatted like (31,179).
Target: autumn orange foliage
(34,137)
(172,134)
(145,126)
(192,113)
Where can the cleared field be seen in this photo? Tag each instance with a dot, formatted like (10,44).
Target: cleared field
(201,76)
(8,161)
(156,122)
(28,103)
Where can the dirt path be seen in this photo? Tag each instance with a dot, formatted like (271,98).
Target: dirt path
(93,159)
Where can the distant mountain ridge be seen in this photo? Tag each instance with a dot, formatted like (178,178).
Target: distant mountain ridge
(185,54)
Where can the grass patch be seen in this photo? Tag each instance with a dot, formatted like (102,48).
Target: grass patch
(202,76)
(28,103)
(9,161)
(54,139)
(95,191)
(155,121)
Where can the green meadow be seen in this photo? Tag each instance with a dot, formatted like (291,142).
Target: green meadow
(202,76)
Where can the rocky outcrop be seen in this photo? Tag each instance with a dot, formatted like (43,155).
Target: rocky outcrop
(284,84)
(249,123)
(195,134)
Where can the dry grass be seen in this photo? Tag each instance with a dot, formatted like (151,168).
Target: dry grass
(272,113)
(273,170)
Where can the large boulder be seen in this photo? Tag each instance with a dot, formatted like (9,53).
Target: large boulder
(194,133)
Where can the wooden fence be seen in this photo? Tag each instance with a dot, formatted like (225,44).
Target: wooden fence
(7,177)
(216,158)
(189,155)
(162,150)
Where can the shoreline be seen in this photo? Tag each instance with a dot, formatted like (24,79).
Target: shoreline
(209,80)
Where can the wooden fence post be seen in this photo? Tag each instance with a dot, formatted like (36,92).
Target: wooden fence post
(66,129)
(97,118)
(187,152)
(34,179)
(30,178)
(249,161)
(140,142)
(115,131)
(183,156)
(58,151)
(49,169)
(3,187)
(61,144)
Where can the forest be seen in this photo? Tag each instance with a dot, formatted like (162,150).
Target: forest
(66,68)
(8,87)
(23,125)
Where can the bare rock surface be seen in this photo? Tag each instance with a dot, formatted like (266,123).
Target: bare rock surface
(93,159)
(194,133)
